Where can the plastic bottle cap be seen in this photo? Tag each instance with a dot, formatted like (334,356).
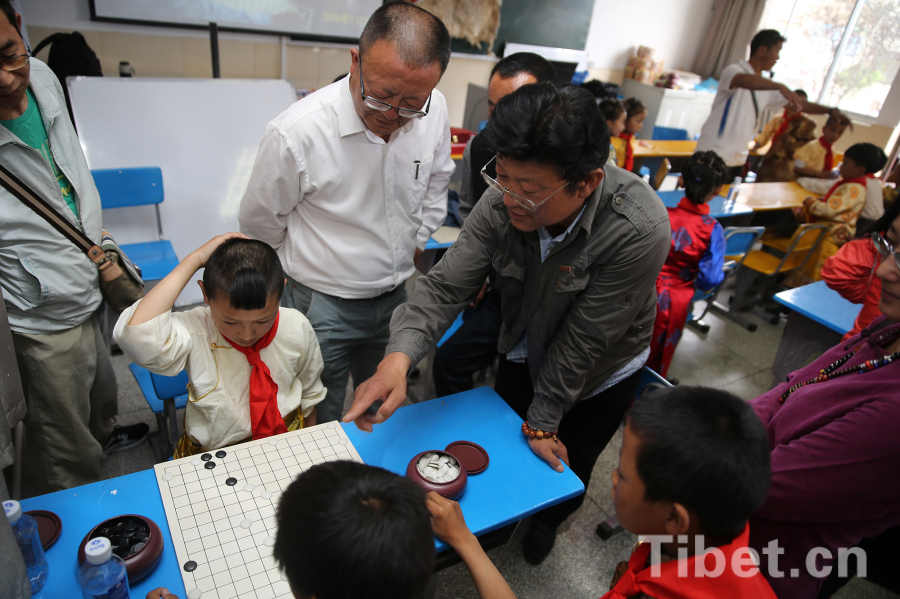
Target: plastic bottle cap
(13,510)
(98,551)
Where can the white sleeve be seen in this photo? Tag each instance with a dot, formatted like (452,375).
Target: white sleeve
(275,188)
(434,206)
(161,344)
(727,75)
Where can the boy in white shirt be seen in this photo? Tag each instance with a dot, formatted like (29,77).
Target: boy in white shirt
(254,368)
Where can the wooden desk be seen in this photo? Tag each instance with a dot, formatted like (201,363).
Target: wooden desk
(773,196)
(665,148)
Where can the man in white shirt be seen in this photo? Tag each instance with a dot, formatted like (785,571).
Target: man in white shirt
(743,95)
(350,183)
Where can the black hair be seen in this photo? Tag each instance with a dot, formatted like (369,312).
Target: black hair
(883,224)
(556,125)
(246,271)
(868,156)
(765,38)
(611,109)
(525,62)
(802,92)
(705,449)
(703,173)
(421,38)
(351,531)
(634,107)
(10,12)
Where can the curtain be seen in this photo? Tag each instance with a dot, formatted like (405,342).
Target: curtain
(734,24)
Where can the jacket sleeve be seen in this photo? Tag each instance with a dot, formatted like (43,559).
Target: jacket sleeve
(466,201)
(711,273)
(160,345)
(850,270)
(849,196)
(434,206)
(768,132)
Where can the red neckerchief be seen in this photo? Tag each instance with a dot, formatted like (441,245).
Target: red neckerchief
(638,578)
(783,127)
(686,204)
(629,150)
(265,419)
(860,180)
(829,155)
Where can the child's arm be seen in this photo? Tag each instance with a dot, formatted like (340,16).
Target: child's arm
(450,526)
(767,133)
(710,269)
(161,298)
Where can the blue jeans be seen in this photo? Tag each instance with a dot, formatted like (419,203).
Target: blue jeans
(352,335)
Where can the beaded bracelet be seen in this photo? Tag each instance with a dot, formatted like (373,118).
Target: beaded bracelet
(532,433)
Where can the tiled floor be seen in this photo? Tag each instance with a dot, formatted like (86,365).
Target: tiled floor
(581,565)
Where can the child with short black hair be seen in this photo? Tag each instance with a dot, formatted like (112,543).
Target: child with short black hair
(816,158)
(634,122)
(694,466)
(351,531)
(696,256)
(614,112)
(253,367)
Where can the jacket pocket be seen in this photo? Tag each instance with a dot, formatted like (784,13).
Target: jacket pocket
(572,278)
(506,266)
(22,285)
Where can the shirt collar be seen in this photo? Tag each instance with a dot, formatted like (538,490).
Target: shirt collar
(686,204)
(349,122)
(545,234)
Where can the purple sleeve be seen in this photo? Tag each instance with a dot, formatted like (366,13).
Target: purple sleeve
(712,262)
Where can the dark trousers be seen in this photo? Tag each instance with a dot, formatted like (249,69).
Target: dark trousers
(471,348)
(585,429)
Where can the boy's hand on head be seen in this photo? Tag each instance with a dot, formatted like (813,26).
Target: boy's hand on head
(161,593)
(388,385)
(203,252)
(447,519)
(552,452)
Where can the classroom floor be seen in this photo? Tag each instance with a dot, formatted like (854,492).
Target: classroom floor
(581,565)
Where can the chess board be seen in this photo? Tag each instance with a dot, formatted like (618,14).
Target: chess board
(221,509)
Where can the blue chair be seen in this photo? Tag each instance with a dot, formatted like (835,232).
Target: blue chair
(670,134)
(126,187)
(164,395)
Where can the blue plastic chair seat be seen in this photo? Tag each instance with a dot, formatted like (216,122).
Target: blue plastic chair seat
(152,385)
(156,259)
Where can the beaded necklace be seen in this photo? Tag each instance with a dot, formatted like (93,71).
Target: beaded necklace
(831,371)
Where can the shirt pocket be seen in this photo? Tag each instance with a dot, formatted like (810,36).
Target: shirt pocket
(419,173)
(572,278)
(506,266)
(23,286)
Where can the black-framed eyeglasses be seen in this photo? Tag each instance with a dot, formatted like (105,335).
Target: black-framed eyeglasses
(521,201)
(885,248)
(380,106)
(15,62)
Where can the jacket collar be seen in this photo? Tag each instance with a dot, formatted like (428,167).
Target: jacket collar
(686,204)
(48,107)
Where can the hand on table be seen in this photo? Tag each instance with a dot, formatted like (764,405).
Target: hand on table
(552,452)
(388,385)
(447,520)
(644,144)
(161,593)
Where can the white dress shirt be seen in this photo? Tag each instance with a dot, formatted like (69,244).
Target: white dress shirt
(345,210)
(729,135)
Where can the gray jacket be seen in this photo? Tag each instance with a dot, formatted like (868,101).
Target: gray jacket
(588,310)
(49,285)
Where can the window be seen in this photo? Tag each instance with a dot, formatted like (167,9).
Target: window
(842,52)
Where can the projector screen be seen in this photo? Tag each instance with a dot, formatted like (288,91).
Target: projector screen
(326,20)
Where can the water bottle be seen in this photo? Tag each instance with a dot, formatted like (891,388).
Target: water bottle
(102,575)
(26,532)
(733,192)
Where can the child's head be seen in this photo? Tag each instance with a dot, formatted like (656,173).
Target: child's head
(242,284)
(802,94)
(637,112)
(703,175)
(833,129)
(694,460)
(862,159)
(614,112)
(350,530)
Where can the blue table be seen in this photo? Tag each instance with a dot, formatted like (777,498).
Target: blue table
(719,207)
(516,484)
(818,319)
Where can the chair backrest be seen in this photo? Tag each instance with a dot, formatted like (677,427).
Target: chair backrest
(650,380)
(740,240)
(800,243)
(670,134)
(169,387)
(124,187)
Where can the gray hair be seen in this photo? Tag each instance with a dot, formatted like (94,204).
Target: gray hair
(420,37)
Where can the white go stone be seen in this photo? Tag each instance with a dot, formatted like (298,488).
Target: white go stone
(196,462)
(168,476)
(266,494)
(273,441)
(332,424)
(343,441)
(246,523)
(194,594)
(269,542)
(249,488)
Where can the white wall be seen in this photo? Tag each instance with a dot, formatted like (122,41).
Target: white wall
(675,28)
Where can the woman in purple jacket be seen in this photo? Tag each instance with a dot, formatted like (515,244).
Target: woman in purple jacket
(834,428)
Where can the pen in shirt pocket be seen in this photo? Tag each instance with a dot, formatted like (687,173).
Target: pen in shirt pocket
(417,163)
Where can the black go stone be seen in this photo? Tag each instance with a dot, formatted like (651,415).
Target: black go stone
(137,547)
(220,454)
(206,457)
(142,537)
(128,534)
(133,525)
(190,566)
(210,465)
(231,481)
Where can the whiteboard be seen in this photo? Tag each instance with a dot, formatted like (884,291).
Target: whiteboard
(202,133)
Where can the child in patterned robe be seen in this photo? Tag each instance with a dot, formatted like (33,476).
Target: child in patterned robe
(695,258)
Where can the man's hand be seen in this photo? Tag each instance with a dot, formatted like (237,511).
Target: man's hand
(161,593)
(552,452)
(795,100)
(203,252)
(447,520)
(388,385)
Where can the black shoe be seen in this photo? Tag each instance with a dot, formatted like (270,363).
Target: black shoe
(125,437)
(538,542)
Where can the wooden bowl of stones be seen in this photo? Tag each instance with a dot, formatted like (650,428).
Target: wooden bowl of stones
(447,471)
(136,539)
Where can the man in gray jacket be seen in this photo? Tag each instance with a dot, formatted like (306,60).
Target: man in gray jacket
(576,247)
(50,288)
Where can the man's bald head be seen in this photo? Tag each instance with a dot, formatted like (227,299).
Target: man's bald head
(420,38)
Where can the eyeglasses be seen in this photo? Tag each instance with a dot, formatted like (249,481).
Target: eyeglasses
(15,62)
(521,201)
(885,248)
(380,106)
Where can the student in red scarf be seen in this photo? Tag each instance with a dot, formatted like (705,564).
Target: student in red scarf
(788,132)
(634,122)
(254,368)
(816,158)
(694,466)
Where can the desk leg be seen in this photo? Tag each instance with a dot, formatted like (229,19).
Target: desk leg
(803,340)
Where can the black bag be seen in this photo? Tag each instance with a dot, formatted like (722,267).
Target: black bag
(70,56)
